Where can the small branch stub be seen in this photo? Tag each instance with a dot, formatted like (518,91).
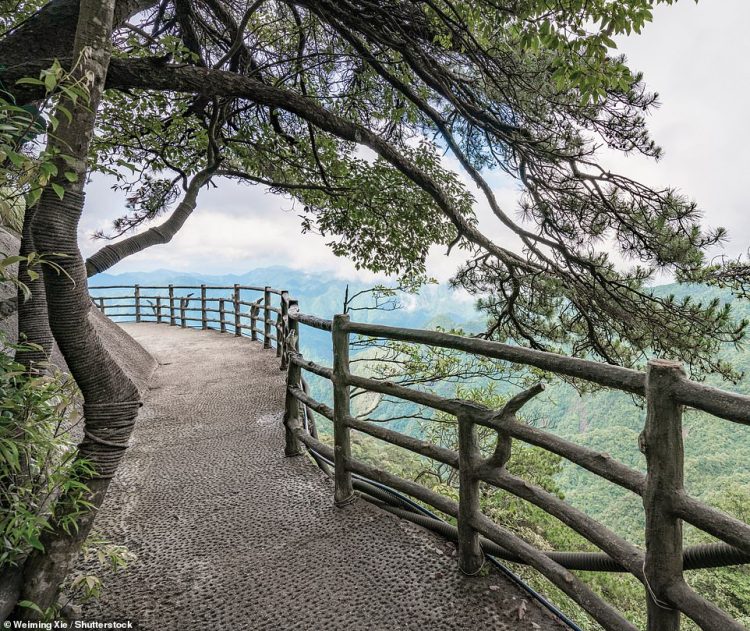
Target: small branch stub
(504,444)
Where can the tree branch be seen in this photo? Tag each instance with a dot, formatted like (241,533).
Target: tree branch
(113,253)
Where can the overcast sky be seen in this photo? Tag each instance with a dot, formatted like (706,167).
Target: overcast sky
(694,56)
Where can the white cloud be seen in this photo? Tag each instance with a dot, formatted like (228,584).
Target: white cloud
(695,56)
(234,228)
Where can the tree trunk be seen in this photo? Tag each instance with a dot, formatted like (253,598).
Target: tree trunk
(113,253)
(33,326)
(33,323)
(50,33)
(110,398)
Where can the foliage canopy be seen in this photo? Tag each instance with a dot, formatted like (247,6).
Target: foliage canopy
(287,93)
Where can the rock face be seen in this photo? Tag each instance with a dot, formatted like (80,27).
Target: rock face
(135,360)
(132,357)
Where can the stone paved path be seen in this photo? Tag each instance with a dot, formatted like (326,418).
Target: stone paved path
(230,534)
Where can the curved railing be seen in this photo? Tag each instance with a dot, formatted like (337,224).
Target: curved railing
(199,306)
(666,391)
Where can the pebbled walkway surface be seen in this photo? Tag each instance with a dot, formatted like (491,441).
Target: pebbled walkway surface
(230,534)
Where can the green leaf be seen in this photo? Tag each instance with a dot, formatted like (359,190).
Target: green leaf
(16,158)
(32,197)
(11,260)
(58,189)
(48,168)
(66,111)
(29,81)
(50,81)
(27,604)
(36,544)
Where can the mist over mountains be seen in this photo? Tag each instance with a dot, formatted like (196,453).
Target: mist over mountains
(321,294)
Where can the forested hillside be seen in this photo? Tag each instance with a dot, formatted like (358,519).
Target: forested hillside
(717,452)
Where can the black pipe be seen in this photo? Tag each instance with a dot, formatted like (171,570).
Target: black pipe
(390,496)
(708,555)
(702,556)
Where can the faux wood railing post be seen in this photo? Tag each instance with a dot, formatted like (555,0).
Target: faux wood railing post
(661,442)
(292,410)
(172,318)
(342,450)
(254,310)
(284,329)
(266,318)
(204,315)
(183,314)
(279,334)
(470,556)
(236,300)
(222,316)
(158,309)
(137,294)
(292,413)
(101,306)
(293,309)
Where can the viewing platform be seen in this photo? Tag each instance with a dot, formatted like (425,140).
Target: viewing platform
(231,534)
(233,525)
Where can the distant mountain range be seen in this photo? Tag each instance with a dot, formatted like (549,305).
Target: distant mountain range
(320,294)
(323,295)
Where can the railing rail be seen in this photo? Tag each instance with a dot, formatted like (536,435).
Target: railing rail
(193,305)
(663,385)
(659,567)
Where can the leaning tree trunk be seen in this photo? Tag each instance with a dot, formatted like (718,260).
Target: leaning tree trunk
(33,323)
(113,253)
(33,326)
(110,398)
